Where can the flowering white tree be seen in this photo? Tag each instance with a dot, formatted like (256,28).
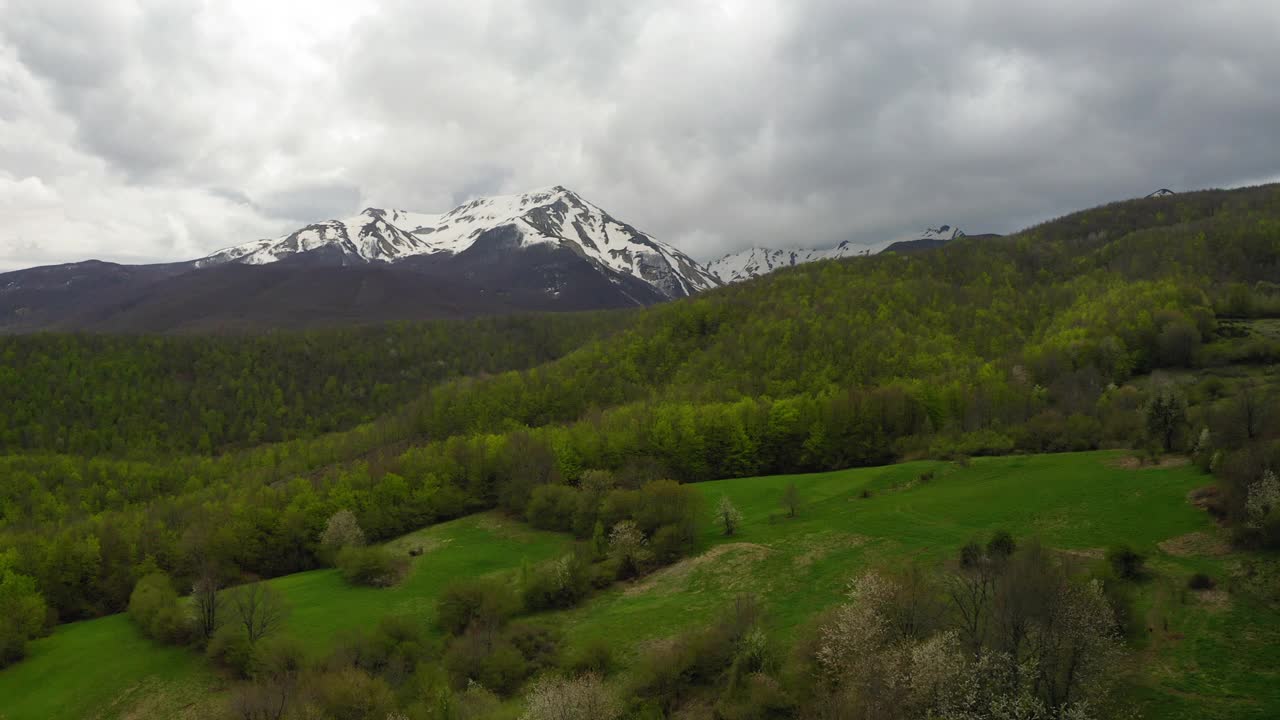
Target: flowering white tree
(628,544)
(341,531)
(871,668)
(728,515)
(1264,496)
(582,698)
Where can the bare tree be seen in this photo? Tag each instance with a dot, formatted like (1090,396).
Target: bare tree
(261,701)
(207,602)
(791,499)
(258,608)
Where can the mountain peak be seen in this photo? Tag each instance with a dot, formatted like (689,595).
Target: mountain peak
(554,218)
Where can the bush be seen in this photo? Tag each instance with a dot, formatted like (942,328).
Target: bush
(484,657)
(672,542)
(1201,581)
(474,603)
(22,611)
(594,657)
(351,694)
(371,566)
(1125,562)
(158,611)
(561,583)
(552,507)
(665,674)
(1001,545)
(540,645)
(230,648)
(278,658)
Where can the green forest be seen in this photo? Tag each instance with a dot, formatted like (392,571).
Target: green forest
(139,470)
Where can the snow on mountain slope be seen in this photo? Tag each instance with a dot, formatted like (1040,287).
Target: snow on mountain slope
(754,262)
(942,232)
(555,217)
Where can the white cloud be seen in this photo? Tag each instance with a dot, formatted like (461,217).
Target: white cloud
(141,130)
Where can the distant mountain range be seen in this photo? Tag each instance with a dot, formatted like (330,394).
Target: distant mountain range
(757,261)
(543,250)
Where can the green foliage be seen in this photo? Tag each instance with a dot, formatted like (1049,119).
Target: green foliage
(371,566)
(230,648)
(595,656)
(469,603)
(486,657)
(22,610)
(552,507)
(560,583)
(158,611)
(1126,562)
(351,694)
(123,395)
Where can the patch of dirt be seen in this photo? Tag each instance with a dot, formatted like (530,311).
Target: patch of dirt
(1132,462)
(154,698)
(1087,553)
(728,561)
(1195,544)
(1214,599)
(824,546)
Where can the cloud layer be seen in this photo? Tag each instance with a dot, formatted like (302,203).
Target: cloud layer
(139,130)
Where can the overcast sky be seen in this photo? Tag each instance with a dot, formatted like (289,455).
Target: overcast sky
(138,131)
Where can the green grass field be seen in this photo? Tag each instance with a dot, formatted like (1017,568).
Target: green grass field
(1206,654)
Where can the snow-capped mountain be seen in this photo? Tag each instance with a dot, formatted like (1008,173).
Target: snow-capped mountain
(757,261)
(945,233)
(551,219)
(754,262)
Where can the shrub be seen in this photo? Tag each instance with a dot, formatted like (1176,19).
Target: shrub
(666,502)
(666,673)
(158,611)
(351,694)
(1201,581)
(485,657)
(371,566)
(1001,545)
(470,602)
(581,698)
(22,611)
(595,656)
(279,658)
(552,507)
(230,648)
(670,543)
(1125,562)
(560,583)
(539,644)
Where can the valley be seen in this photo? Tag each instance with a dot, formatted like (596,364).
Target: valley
(1079,504)
(1034,470)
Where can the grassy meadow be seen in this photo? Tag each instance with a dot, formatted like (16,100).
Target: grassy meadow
(1203,654)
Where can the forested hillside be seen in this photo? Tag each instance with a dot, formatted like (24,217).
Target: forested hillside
(121,395)
(987,346)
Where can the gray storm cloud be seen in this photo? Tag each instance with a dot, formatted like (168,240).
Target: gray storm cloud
(157,130)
